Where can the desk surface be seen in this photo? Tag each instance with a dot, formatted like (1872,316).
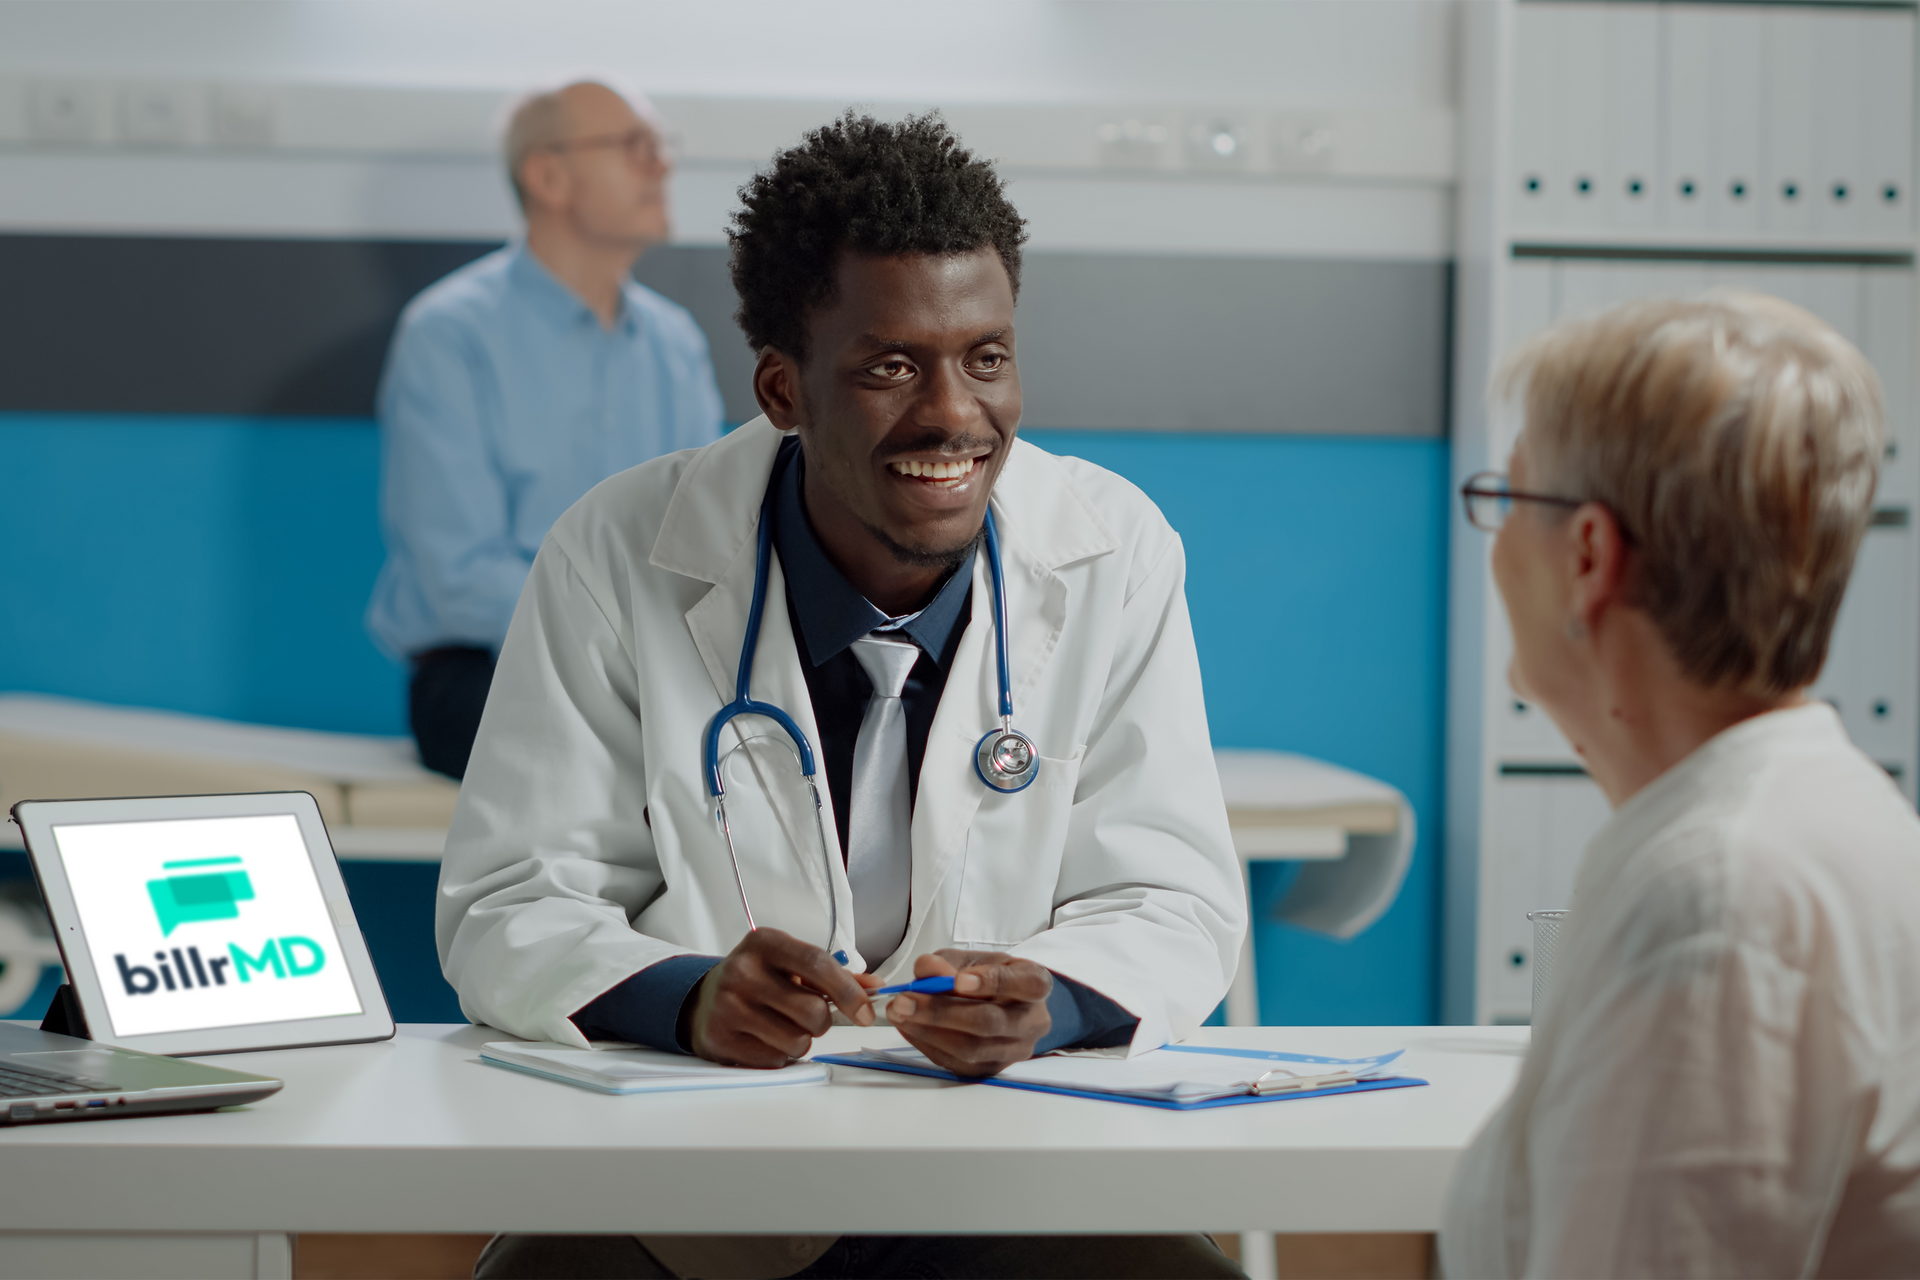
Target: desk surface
(416,1134)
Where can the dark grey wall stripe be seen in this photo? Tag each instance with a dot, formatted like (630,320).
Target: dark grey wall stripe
(1292,345)
(299,327)
(162,325)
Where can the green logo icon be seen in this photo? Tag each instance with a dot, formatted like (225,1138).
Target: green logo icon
(198,895)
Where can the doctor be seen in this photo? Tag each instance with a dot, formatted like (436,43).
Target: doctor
(849,542)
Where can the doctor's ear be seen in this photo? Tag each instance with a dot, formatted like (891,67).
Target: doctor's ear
(776,385)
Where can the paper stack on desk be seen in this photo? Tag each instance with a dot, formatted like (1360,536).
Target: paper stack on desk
(1177,1076)
(618,1068)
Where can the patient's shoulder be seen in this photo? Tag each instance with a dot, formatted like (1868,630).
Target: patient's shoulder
(460,299)
(1811,849)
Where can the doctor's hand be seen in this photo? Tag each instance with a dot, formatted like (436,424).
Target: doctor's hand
(996,1014)
(763,1005)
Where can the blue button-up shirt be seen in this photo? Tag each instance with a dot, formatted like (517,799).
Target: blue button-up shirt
(503,401)
(829,614)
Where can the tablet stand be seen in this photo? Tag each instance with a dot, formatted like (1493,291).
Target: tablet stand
(63,1015)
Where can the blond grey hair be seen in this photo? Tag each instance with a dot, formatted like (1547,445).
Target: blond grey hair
(535,121)
(1737,440)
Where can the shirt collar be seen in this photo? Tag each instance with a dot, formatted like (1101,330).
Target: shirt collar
(532,278)
(832,612)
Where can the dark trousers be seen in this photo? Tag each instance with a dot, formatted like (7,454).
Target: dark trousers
(444,702)
(1192,1257)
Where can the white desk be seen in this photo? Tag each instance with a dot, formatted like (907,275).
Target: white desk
(416,1135)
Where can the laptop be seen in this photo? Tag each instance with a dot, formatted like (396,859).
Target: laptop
(46,1077)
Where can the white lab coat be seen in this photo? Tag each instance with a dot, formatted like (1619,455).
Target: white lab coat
(584,847)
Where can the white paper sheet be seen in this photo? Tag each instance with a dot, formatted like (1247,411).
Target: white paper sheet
(616,1068)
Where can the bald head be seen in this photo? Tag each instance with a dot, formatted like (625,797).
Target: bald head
(556,115)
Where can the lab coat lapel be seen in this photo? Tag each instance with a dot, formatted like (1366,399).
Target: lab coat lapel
(710,534)
(718,624)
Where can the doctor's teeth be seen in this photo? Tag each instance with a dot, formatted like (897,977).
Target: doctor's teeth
(935,470)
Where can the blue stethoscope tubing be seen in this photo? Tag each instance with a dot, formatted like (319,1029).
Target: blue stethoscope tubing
(1005,759)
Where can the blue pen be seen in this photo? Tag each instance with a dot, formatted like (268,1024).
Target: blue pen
(918,987)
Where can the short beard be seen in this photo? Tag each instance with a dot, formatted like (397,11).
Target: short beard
(924,558)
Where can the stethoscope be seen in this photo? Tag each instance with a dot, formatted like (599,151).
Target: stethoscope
(1005,758)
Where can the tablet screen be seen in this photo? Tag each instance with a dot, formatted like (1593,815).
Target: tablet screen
(205,922)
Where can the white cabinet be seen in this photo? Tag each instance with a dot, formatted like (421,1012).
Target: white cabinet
(1789,190)
(1781,140)
(1885,129)
(1769,124)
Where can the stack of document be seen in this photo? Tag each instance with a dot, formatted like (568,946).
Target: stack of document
(622,1068)
(1177,1076)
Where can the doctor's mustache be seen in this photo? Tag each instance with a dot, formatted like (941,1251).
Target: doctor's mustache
(938,442)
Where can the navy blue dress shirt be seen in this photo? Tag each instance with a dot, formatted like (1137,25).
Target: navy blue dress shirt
(828,615)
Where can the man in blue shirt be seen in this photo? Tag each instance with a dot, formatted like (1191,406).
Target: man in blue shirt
(515,385)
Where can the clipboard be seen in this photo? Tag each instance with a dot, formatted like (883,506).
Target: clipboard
(1274,1085)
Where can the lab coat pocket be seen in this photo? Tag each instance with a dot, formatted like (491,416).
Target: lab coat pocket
(1013,856)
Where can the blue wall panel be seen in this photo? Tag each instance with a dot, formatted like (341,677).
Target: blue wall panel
(221,565)
(212,565)
(1316,576)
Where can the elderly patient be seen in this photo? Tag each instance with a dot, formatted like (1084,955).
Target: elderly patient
(1726,1079)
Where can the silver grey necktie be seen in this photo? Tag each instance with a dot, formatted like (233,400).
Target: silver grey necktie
(880,815)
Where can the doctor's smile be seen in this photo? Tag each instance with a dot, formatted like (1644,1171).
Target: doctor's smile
(938,475)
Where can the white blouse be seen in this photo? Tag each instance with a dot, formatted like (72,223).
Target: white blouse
(1726,1079)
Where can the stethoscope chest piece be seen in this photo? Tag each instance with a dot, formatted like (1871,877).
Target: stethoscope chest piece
(1007,760)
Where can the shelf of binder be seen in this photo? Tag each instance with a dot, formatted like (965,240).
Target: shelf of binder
(1617,151)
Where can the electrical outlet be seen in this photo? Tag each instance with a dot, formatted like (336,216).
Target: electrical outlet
(1301,144)
(156,115)
(62,111)
(1135,142)
(243,117)
(1219,141)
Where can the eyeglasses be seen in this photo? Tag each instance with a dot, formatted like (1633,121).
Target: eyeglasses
(642,145)
(1489,501)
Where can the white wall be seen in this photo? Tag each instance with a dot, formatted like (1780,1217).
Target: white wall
(1298,52)
(1026,80)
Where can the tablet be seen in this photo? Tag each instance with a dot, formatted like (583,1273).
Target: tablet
(204,924)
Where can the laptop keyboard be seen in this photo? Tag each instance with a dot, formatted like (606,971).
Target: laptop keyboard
(17,1082)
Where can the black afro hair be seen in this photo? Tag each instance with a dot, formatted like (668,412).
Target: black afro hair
(865,186)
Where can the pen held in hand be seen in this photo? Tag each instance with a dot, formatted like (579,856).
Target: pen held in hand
(918,987)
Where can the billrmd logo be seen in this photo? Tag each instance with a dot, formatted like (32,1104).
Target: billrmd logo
(198,894)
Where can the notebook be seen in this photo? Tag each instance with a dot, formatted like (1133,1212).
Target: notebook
(1176,1077)
(622,1068)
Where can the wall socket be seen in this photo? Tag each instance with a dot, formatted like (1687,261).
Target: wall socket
(1219,141)
(1136,142)
(1301,143)
(62,111)
(242,117)
(158,115)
